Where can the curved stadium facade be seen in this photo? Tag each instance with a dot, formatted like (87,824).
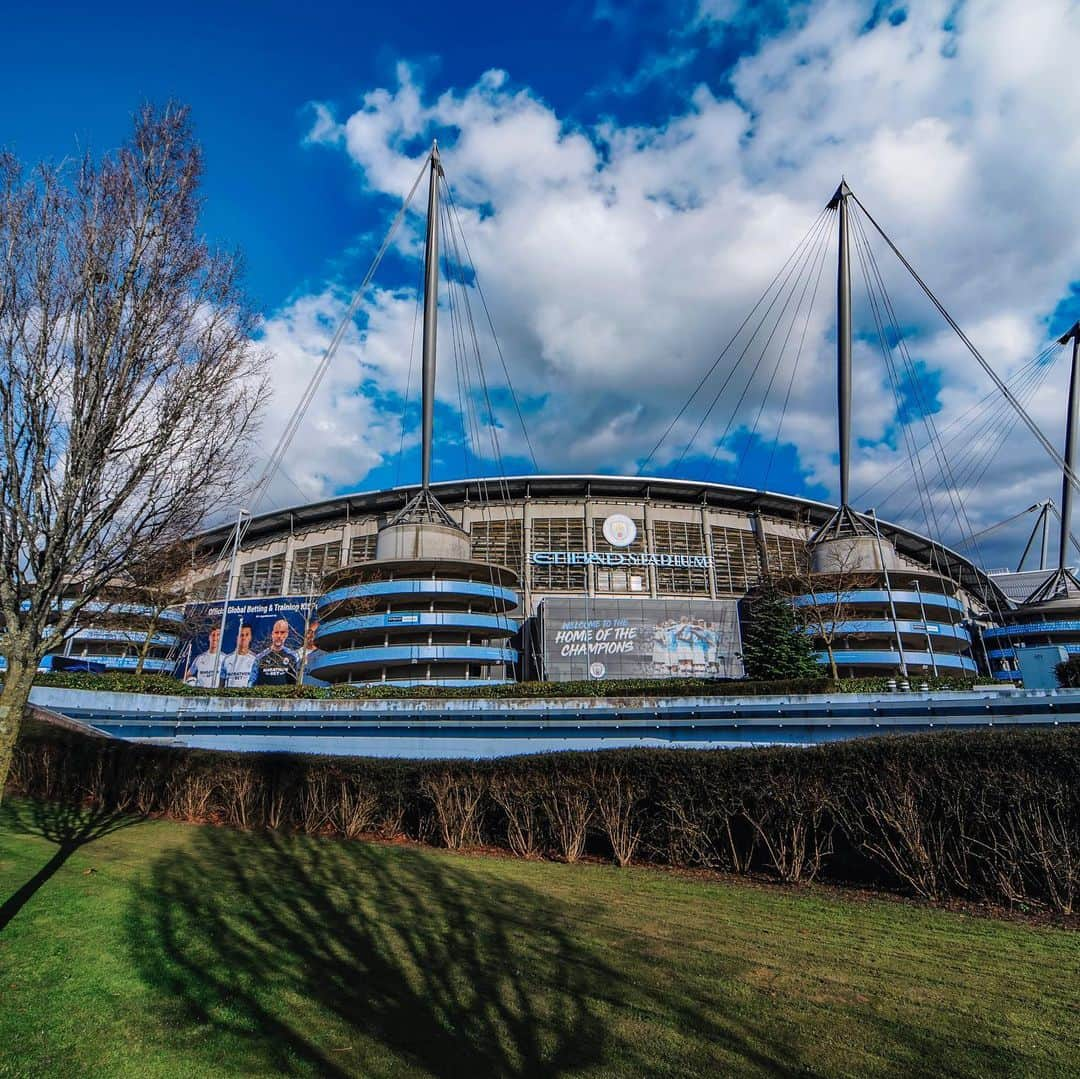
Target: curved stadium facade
(540,587)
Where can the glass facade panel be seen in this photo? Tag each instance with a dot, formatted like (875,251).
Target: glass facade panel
(680,537)
(264,577)
(736,561)
(311,564)
(557,534)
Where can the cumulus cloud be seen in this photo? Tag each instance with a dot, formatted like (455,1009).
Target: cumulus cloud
(617,259)
(354,419)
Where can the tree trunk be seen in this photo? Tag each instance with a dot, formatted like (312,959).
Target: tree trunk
(144,648)
(18,678)
(832,662)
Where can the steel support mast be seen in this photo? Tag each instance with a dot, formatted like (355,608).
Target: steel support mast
(1061,583)
(843,343)
(845,522)
(424,506)
(431,314)
(1071,422)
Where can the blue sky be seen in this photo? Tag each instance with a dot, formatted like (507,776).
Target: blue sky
(630,177)
(250,70)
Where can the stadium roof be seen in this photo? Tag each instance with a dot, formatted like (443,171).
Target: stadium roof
(493,489)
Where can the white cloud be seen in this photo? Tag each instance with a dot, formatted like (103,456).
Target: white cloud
(618,259)
(353,422)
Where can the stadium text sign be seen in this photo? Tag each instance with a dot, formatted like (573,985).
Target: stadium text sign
(618,558)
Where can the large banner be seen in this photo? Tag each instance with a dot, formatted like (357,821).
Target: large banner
(267,642)
(640,638)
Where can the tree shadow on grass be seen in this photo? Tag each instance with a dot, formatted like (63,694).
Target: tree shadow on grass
(296,955)
(295,948)
(67,824)
(289,954)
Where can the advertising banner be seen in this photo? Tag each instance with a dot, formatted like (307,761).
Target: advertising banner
(640,638)
(266,642)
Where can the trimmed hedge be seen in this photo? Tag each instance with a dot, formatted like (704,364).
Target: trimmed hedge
(1068,673)
(122,682)
(992,816)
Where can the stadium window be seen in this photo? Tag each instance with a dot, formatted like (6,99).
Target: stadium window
(263,577)
(557,534)
(362,548)
(210,588)
(311,564)
(498,543)
(680,537)
(786,555)
(736,561)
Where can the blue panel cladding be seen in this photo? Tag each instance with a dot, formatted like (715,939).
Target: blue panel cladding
(450,629)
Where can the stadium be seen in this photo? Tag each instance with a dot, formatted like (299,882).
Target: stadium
(690,553)
(575,577)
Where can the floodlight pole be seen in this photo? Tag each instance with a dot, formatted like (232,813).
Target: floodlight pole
(431,313)
(218,667)
(1072,420)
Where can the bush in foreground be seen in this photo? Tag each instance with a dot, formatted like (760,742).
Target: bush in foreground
(991,816)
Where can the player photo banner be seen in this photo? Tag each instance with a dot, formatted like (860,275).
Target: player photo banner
(266,642)
(640,638)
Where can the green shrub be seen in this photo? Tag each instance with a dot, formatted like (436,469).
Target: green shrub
(123,682)
(1068,673)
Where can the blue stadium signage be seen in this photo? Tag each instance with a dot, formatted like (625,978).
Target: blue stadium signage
(619,558)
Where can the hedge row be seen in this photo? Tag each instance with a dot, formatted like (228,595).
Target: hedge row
(989,816)
(122,682)
(1068,673)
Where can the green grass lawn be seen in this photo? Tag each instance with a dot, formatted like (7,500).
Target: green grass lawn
(160,949)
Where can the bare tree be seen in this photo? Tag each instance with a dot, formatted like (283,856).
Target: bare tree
(148,588)
(129,382)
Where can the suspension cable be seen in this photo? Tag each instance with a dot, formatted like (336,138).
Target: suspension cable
(734,337)
(1032,426)
(797,266)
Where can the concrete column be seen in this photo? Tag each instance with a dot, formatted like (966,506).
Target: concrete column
(706,537)
(290,549)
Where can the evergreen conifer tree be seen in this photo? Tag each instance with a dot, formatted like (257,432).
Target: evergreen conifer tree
(774,647)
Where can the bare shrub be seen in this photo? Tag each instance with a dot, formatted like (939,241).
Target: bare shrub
(275,805)
(619,799)
(189,795)
(392,814)
(886,811)
(457,797)
(316,800)
(789,814)
(567,801)
(699,814)
(1025,844)
(356,807)
(519,801)
(238,789)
